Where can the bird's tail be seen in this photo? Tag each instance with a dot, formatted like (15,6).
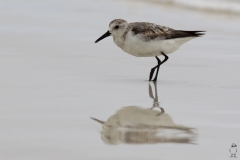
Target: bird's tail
(193,33)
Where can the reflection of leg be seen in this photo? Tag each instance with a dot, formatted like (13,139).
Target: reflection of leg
(156,93)
(155,98)
(162,110)
(150,91)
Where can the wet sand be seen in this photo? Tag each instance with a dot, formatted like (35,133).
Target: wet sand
(54,78)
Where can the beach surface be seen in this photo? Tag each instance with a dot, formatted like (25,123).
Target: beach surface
(54,78)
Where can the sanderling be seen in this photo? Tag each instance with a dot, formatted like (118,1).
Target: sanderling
(143,39)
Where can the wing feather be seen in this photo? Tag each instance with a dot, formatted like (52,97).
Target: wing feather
(151,31)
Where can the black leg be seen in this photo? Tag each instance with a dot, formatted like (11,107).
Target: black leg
(165,59)
(153,69)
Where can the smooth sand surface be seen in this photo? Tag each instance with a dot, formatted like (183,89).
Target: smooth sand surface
(54,78)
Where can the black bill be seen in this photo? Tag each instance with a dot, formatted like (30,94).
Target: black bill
(103,36)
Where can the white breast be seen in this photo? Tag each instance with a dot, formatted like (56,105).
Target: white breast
(233,150)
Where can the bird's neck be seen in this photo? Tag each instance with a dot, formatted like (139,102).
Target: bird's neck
(120,39)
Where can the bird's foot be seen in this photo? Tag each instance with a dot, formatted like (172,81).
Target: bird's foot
(154,80)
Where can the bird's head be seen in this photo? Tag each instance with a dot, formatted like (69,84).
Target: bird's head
(116,28)
(234,145)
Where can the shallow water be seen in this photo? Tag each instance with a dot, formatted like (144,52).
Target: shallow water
(54,78)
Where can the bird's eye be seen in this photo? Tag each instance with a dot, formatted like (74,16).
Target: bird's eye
(116,27)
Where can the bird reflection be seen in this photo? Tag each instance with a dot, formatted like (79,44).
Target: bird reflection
(136,125)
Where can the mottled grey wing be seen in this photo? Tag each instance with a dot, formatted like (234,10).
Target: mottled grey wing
(151,31)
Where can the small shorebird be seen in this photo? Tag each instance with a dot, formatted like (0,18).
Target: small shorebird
(143,39)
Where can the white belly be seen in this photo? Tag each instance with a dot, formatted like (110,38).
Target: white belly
(233,150)
(135,46)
